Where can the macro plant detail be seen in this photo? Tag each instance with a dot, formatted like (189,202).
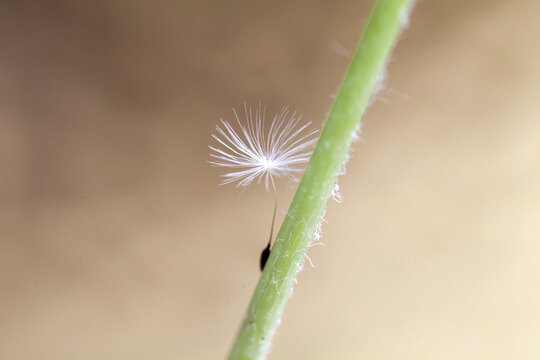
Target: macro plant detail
(252,156)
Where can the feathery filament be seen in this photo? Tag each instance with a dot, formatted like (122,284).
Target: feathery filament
(253,154)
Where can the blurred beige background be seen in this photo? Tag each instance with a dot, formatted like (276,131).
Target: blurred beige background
(116,241)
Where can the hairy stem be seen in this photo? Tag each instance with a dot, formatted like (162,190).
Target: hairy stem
(287,256)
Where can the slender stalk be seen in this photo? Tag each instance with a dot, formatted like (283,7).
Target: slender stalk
(287,256)
(266,252)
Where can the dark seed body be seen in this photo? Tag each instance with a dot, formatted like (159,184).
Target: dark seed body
(264,256)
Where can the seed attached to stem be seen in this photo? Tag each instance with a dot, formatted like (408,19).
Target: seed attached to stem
(254,154)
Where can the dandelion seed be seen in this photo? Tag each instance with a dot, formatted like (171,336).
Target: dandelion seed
(254,154)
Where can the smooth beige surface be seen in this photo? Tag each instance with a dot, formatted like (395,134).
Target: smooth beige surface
(117,243)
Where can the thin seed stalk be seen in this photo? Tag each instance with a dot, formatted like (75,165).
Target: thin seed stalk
(287,256)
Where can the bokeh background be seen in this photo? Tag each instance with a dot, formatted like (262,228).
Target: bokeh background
(116,241)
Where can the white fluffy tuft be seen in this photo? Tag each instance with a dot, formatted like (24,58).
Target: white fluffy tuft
(336,194)
(254,154)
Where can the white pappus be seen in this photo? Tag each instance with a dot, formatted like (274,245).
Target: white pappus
(251,153)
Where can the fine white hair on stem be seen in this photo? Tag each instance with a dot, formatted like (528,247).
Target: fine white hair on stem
(252,153)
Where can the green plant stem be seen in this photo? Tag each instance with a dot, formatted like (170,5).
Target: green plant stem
(287,256)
